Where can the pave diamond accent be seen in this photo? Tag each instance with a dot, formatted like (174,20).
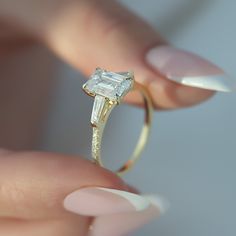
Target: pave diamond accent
(109,84)
(96,140)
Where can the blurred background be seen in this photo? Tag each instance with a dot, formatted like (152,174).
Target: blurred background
(191,155)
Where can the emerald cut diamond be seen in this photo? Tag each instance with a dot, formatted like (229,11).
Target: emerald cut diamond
(109,84)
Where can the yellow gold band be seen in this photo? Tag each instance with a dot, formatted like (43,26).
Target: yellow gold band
(99,127)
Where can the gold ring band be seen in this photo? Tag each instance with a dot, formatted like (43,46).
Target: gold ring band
(109,88)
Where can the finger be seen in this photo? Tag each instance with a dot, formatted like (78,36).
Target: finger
(43,186)
(103,33)
(34,185)
(47,187)
(57,227)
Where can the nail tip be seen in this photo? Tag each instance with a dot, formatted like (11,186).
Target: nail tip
(189,69)
(97,201)
(220,83)
(160,202)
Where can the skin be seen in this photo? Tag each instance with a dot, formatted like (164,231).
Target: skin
(84,34)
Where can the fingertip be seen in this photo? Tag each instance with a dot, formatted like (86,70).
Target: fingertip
(34,184)
(190,78)
(170,95)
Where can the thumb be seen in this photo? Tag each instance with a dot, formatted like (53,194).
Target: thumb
(101,33)
(34,185)
(46,187)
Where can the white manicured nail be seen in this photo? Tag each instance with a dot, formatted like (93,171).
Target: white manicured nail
(160,202)
(97,201)
(189,69)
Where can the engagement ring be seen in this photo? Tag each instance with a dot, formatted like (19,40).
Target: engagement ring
(109,89)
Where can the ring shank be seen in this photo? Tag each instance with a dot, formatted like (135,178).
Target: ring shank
(98,131)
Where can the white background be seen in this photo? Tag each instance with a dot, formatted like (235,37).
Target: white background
(191,156)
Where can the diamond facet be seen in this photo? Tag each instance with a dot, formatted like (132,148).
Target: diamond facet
(109,84)
(97,109)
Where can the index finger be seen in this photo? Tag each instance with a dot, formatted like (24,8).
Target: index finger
(91,33)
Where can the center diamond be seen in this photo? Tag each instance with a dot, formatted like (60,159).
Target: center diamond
(109,84)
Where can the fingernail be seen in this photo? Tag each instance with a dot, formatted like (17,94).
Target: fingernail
(189,69)
(97,201)
(125,223)
(161,203)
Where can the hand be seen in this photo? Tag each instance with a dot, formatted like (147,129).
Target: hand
(39,192)
(50,194)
